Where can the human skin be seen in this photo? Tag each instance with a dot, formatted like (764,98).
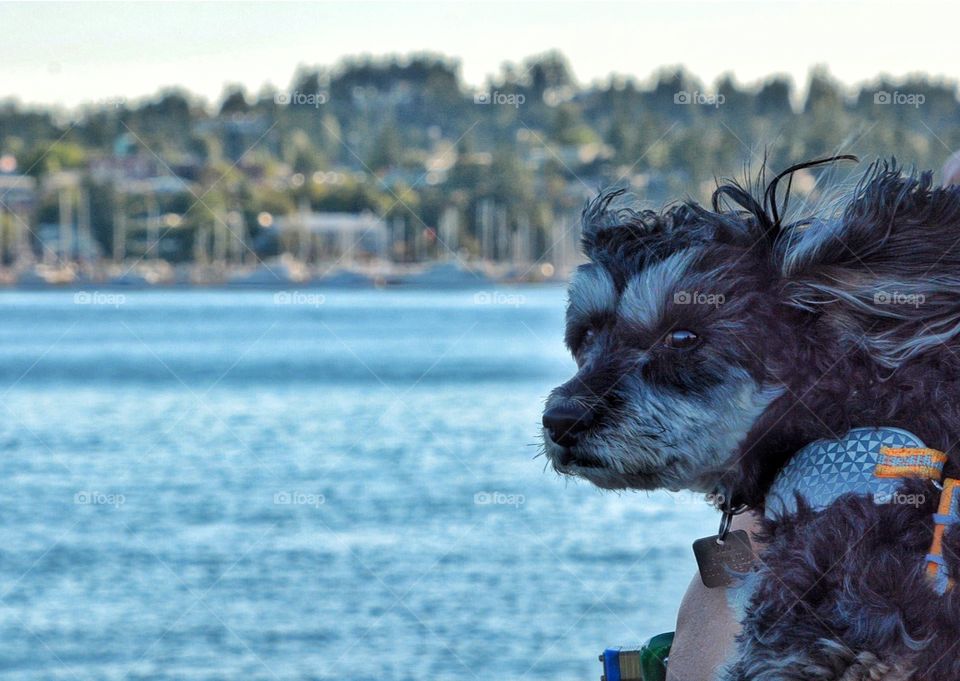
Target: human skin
(951,169)
(706,627)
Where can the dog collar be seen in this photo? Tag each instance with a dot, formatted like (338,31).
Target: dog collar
(872,461)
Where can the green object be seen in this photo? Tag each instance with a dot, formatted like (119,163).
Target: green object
(648,663)
(653,657)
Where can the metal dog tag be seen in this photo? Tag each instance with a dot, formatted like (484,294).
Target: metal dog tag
(718,559)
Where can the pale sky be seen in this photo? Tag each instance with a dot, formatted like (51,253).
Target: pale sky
(69,53)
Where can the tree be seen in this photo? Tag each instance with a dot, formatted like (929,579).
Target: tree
(234,102)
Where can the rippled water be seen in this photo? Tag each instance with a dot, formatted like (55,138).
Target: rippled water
(212,485)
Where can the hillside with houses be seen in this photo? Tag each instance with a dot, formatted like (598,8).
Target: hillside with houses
(393,171)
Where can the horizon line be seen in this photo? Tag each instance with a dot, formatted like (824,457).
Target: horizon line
(798,94)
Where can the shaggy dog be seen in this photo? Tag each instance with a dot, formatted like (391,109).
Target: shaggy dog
(714,343)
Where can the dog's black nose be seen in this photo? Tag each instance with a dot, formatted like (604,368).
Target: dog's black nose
(566,422)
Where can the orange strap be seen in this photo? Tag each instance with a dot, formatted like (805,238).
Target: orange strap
(910,462)
(926,463)
(945,510)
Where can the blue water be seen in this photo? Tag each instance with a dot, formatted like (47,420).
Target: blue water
(213,485)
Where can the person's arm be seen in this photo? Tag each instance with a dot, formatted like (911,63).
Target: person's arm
(706,627)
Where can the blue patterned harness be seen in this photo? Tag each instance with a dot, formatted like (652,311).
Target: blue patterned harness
(872,461)
(826,469)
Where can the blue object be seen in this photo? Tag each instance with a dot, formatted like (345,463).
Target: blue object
(826,469)
(611,664)
(647,663)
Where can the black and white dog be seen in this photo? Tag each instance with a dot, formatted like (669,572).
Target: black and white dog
(714,344)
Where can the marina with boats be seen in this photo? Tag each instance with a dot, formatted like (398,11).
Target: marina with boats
(303,248)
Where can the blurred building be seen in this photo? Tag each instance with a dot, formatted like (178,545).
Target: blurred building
(18,205)
(313,236)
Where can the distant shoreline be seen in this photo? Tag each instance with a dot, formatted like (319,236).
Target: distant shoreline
(291,286)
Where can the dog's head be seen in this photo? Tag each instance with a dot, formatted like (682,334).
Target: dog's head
(668,324)
(695,328)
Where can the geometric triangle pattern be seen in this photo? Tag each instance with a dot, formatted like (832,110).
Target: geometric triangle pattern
(826,469)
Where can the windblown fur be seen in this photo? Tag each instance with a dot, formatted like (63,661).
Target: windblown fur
(714,342)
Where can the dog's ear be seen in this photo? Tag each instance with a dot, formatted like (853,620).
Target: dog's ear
(885,272)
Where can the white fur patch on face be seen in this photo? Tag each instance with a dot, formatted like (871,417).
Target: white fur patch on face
(646,296)
(591,293)
(668,441)
(701,435)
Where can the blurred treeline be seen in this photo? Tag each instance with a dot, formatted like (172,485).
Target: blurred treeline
(407,139)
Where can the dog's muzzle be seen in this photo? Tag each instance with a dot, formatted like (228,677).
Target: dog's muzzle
(565,422)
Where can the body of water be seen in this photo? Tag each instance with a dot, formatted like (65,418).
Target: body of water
(309,485)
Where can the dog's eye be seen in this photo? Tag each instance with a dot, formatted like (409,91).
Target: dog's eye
(681,339)
(585,340)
